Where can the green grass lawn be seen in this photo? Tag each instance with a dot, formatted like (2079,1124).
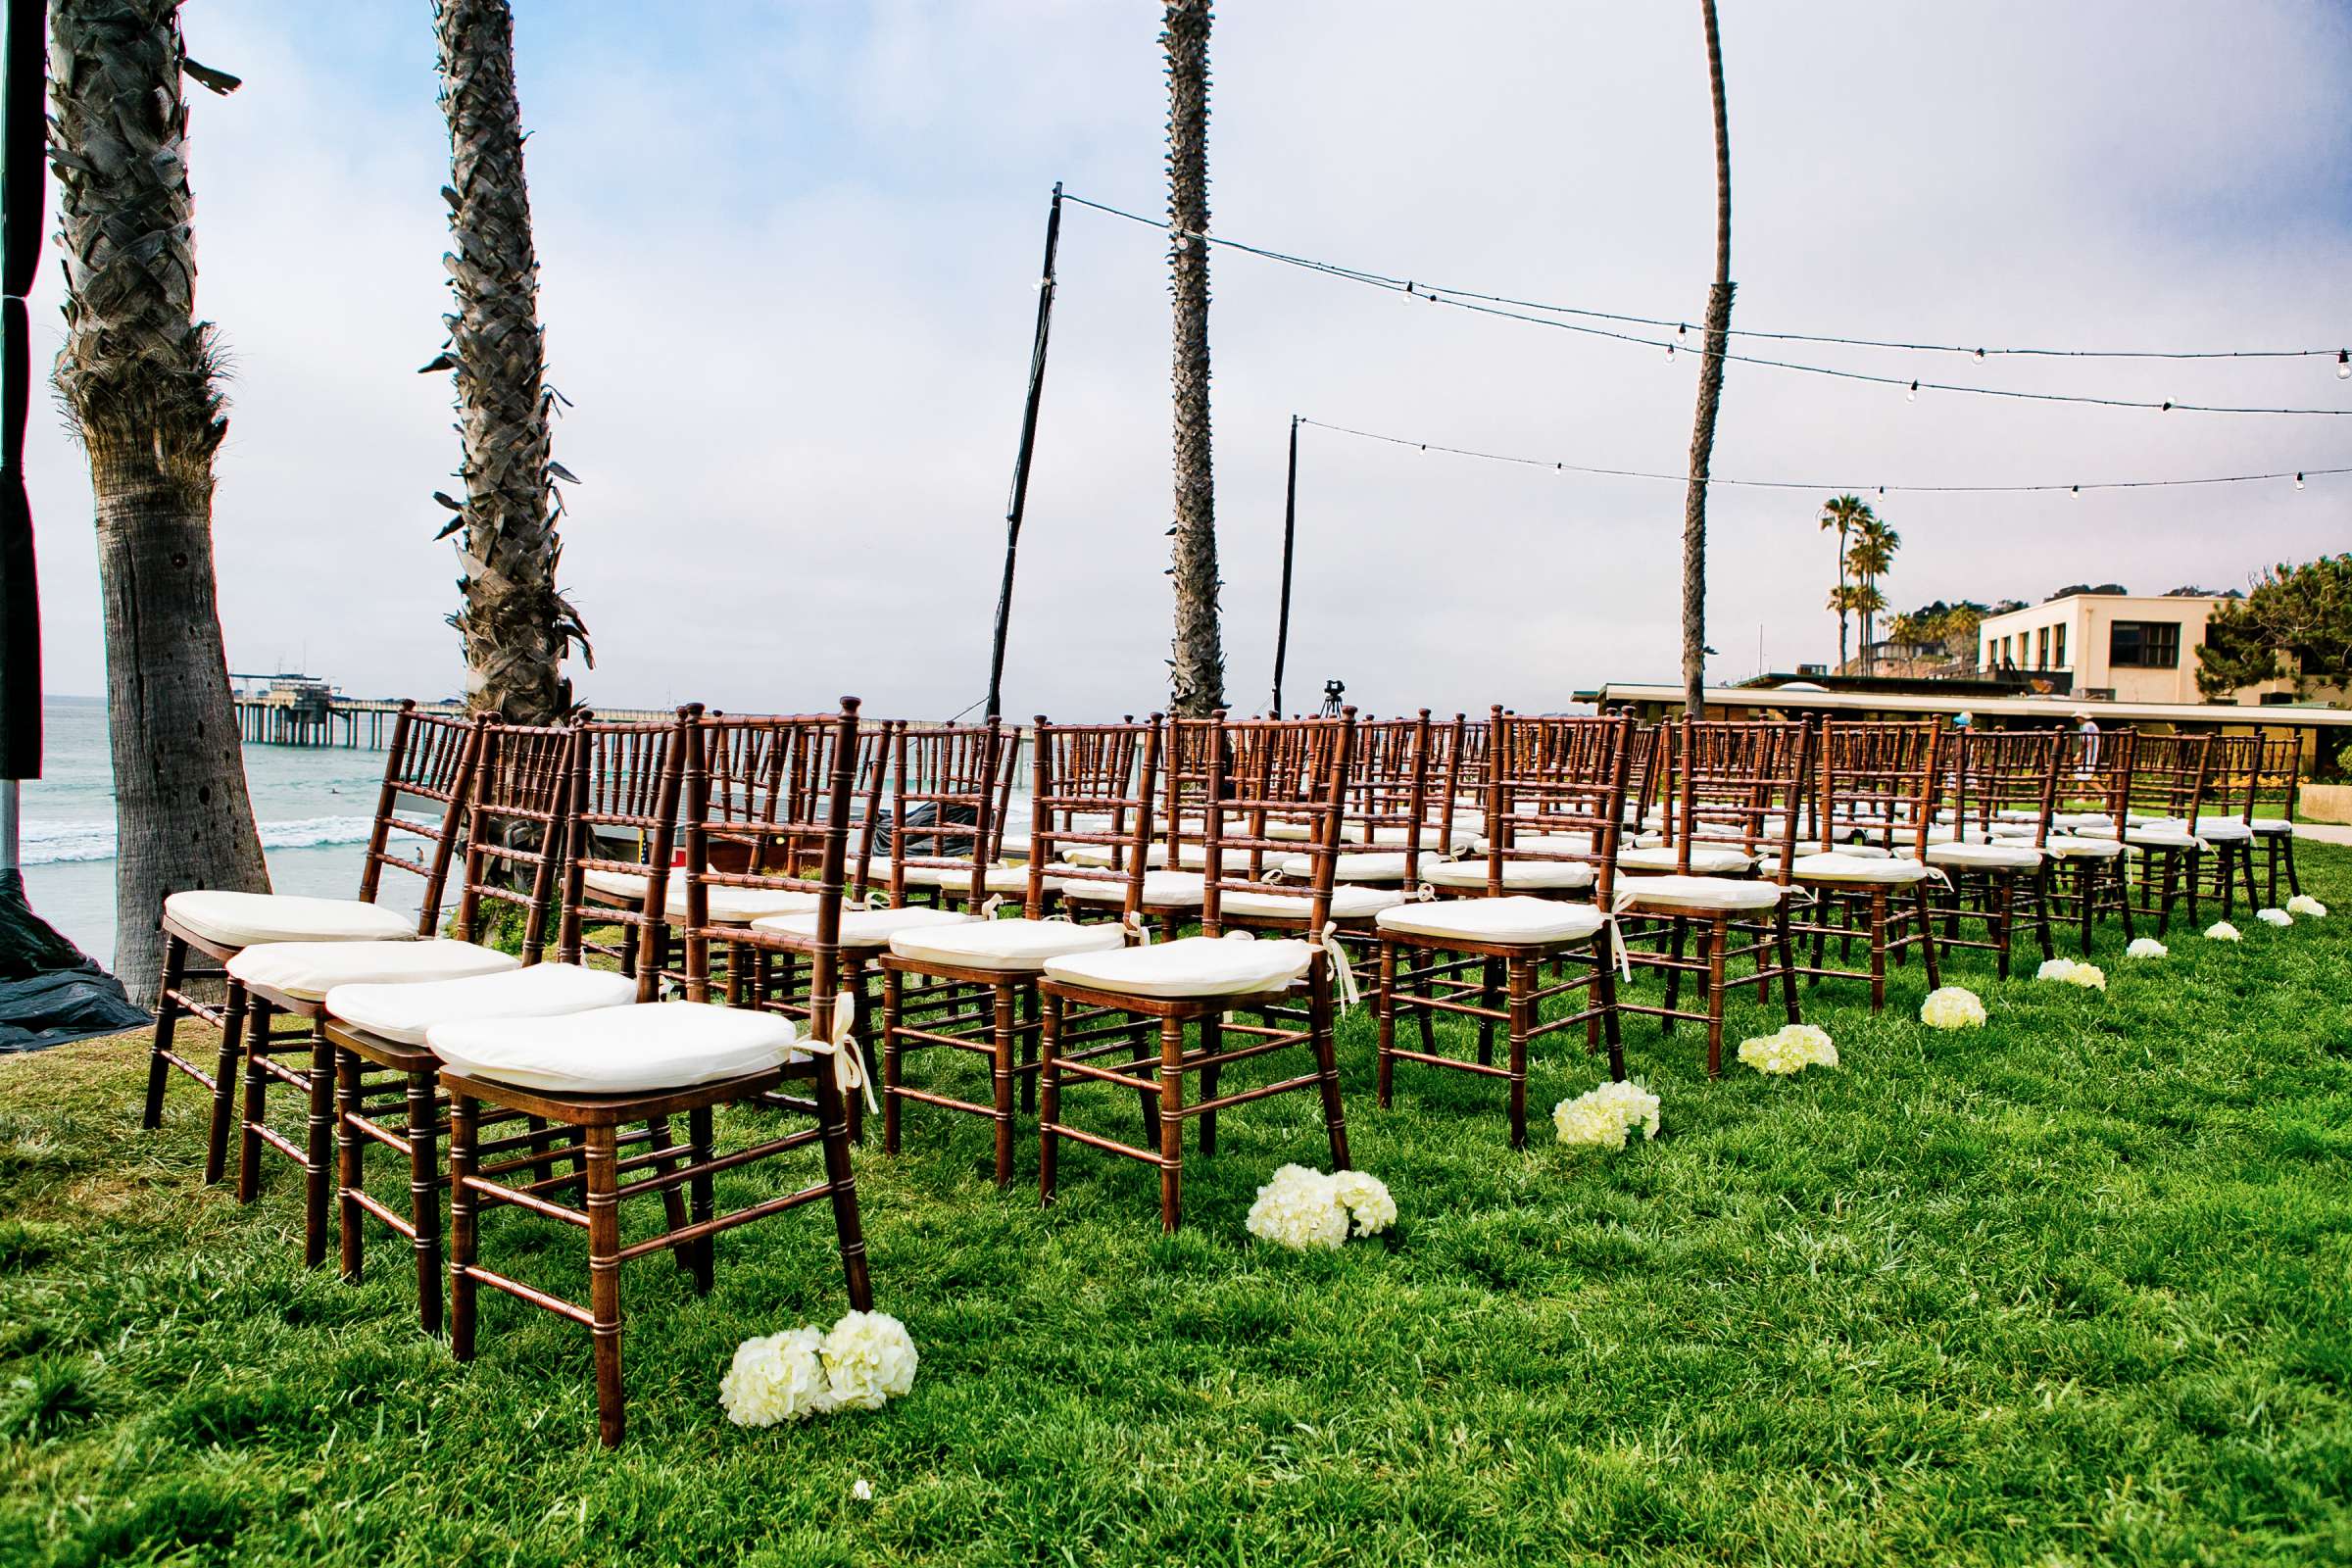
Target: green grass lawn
(2071,1288)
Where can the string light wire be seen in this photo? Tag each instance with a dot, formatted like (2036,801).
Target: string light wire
(2299,476)
(1501,306)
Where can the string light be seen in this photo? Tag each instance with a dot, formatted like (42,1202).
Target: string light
(1912,396)
(1834,487)
(1513,309)
(2298,481)
(2343,364)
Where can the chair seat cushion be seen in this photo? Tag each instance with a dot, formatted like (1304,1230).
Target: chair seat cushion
(1372,866)
(2221,829)
(726,906)
(308,970)
(1542,842)
(2267,826)
(1018,946)
(2078,822)
(1507,920)
(1348,901)
(1520,874)
(1697,893)
(1706,860)
(1835,867)
(2073,847)
(407,1012)
(616,1050)
(1155,854)
(241,919)
(1434,838)
(1986,856)
(2173,837)
(1191,966)
(866,928)
(1162,890)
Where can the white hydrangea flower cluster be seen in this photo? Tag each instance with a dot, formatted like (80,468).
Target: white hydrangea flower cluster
(2305,904)
(1952,1008)
(1605,1117)
(2146,948)
(2221,931)
(1795,1047)
(2073,972)
(2274,918)
(1307,1211)
(867,1359)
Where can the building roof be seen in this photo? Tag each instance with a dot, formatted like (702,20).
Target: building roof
(2061,709)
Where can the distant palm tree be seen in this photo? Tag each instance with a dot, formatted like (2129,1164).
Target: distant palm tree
(1196,667)
(138,377)
(1868,559)
(517,627)
(1711,395)
(1844,514)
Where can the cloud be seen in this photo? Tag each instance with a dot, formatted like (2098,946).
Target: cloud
(789,258)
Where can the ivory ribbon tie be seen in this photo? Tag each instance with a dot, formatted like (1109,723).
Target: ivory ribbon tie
(1351,994)
(848,1063)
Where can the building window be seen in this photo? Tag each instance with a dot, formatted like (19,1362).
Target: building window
(2061,659)
(2042,649)
(2144,645)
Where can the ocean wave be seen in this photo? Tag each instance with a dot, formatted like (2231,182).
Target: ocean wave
(60,843)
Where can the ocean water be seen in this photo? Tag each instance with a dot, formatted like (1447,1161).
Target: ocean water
(313,805)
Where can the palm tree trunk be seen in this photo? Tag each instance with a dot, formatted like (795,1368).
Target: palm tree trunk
(1710,396)
(1196,667)
(514,624)
(138,377)
(1841,601)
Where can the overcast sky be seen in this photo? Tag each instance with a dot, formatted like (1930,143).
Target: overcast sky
(789,254)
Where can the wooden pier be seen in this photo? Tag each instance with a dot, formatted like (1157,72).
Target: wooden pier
(299,711)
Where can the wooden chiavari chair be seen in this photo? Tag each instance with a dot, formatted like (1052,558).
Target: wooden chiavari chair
(2272,785)
(1555,798)
(534,817)
(1173,890)
(1731,792)
(593,1074)
(291,980)
(1090,784)
(429,759)
(1198,982)
(949,788)
(2168,779)
(2086,879)
(1872,807)
(2222,815)
(1998,790)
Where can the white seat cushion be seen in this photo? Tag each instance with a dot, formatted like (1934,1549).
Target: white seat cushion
(866,928)
(1162,890)
(1348,901)
(2072,846)
(1528,875)
(1542,843)
(241,919)
(406,1013)
(1835,867)
(616,1050)
(2171,837)
(1505,919)
(1191,966)
(726,906)
(1697,893)
(1433,838)
(2078,822)
(1706,860)
(1097,855)
(1986,856)
(2269,825)
(1376,865)
(2221,829)
(1018,946)
(308,970)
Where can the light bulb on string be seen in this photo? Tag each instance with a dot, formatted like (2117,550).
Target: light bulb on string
(1912,396)
(2077,489)
(2343,364)
(2298,481)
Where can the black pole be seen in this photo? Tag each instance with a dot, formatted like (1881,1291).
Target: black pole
(1290,535)
(1020,501)
(24,146)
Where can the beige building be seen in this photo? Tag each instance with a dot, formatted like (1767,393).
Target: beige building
(2131,646)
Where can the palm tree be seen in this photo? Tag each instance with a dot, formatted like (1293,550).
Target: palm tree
(1711,395)
(1868,559)
(1197,669)
(138,376)
(1843,514)
(515,626)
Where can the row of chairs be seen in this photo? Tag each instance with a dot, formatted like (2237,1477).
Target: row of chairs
(1511,871)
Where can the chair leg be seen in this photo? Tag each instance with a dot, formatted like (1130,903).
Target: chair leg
(1716,936)
(257,1103)
(893,998)
(167,1020)
(1029,1026)
(1171,1122)
(833,1130)
(1385,1025)
(1674,973)
(703,1201)
(1049,1098)
(225,1085)
(351,1160)
(1212,1041)
(603,1283)
(1926,936)
(1878,950)
(1323,1034)
(2043,883)
(464,1237)
(1489,998)
(2122,895)
(1003,1031)
(2243,854)
(1605,986)
(2003,886)
(319,1148)
(2294,883)
(673,1202)
(1520,981)
(425,1199)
